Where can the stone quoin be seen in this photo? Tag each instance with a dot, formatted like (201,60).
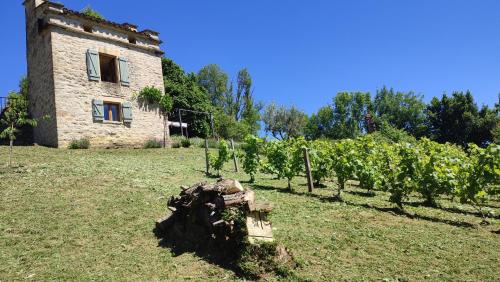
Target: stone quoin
(84,76)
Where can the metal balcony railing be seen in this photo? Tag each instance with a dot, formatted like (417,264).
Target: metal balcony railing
(3,103)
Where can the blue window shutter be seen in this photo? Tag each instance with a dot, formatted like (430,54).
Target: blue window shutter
(127,112)
(93,65)
(124,73)
(97,110)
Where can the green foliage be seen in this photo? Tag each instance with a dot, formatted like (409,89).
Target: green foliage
(393,134)
(187,94)
(80,144)
(88,11)
(438,169)
(342,154)
(457,119)
(15,116)
(215,82)
(186,143)
(284,123)
(480,176)
(155,96)
(285,158)
(217,163)
(251,162)
(152,144)
(402,110)
(367,163)
(321,163)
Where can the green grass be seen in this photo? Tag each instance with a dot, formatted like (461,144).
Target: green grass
(89,215)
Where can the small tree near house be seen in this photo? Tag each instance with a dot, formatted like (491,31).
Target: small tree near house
(14,117)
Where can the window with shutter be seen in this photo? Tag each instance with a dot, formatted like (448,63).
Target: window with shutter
(93,65)
(124,71)
(127,112)
(98,110)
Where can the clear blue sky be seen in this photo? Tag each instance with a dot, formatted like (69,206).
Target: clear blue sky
(303,52)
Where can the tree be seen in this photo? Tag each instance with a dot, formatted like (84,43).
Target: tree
(458,120)
(402,110)
(320,125)
(349,111)
(215,82)
(187,94)
(223,157)
(15,116)
(284,123)
(251,162)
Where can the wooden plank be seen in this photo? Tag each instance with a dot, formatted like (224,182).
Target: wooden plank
(310,185)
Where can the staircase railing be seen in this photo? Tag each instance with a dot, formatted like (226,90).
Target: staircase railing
(3,103)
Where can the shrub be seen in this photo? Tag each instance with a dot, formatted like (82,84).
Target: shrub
(176,145)
(151,144)
(186,143)
(155,96)
(223,157)
(88,11)
(79,144)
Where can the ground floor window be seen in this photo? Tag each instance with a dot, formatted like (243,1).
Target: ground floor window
(112,111)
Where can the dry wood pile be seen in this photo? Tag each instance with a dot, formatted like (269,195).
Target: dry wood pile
(223,223)
(222,211)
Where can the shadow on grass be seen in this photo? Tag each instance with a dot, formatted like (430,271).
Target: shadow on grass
(400,212)
(179,242)
(452,210)
(392,210)
(362,193)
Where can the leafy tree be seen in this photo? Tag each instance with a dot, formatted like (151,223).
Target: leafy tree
(458,120)
(187,94)
(251,162)
(344,118)
(15,116)
(215,82)
(284,123)
(320,124)
(88,11)
(402,110)
(223,157)
(349,111)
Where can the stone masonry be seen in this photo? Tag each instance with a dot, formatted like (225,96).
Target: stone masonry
(62,95)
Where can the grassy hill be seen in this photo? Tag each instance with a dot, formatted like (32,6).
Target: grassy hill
(89,215)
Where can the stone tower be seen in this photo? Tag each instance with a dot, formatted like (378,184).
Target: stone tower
(84,75)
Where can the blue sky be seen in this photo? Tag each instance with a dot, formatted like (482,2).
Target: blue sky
(303,52)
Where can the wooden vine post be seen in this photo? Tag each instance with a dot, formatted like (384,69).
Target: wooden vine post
(310,185)
(235,159)
(206,157)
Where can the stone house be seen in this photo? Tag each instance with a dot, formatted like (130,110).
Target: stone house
(84,76)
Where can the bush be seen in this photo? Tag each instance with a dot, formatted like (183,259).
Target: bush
(176,145)
(186,143)
(88,11)
(152,144)
(79,144)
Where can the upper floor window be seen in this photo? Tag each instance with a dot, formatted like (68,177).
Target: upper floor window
(109,71)
(109,68)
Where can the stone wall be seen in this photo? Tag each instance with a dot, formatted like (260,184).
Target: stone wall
(41,81)
(60,86)
(74,92)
